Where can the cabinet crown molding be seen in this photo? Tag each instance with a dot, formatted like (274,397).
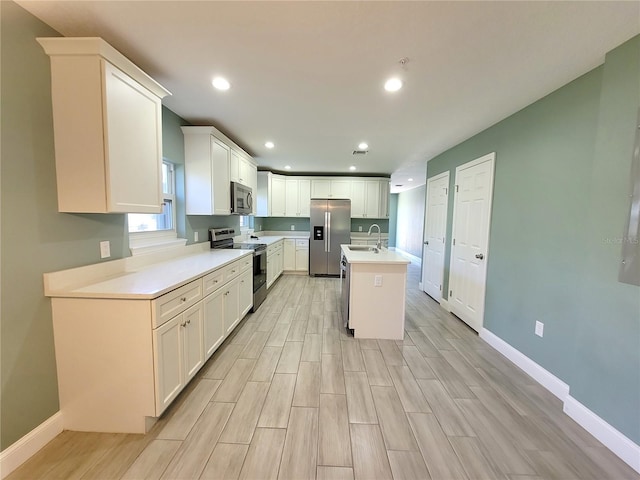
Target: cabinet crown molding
(78,46)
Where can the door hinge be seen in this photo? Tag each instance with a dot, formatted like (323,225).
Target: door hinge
(446,191)
(440,287)
(450,293)
(456,188)
(454,241)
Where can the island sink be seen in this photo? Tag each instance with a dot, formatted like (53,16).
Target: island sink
(363,248)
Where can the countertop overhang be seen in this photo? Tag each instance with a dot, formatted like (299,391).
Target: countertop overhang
(384,256)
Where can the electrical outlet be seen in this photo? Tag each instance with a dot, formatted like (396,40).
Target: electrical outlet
(195,236)
(539,329)
(105,249)
(377,281)
(359,228)
(293,227)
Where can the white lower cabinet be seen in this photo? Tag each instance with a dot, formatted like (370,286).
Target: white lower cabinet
(289,254)
(179,349)
(302,255)
(275,261)
(214,331)
(231,309)
(245,298)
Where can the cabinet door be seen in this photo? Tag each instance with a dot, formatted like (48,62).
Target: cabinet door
(289,255)
(234,166)
(340,188)
(252,181)
(221,195)
(302,259)
(245,293)
(304,197)
(372,199)
(134,136)
(321,188)
(358,199)
(244,176)
(291,198)
(193,343)
(169,363)
(278,193)
(231,306)
(214,332)
(384,198)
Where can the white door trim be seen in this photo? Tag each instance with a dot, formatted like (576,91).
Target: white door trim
(490,157)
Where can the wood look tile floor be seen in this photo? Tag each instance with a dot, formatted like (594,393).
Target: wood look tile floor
(291,396)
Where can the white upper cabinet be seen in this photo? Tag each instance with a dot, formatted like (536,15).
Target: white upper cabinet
(271,195)
(212,162)
(297,197)
(206,165)
(107,118)
(365,199)
(330,188)
(384,198)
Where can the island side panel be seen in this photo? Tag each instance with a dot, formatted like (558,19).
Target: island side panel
(104,357)
(378,312)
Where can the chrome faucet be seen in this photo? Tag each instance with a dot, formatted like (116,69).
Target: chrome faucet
(379,244)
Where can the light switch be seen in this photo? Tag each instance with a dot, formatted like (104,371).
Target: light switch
(377,281)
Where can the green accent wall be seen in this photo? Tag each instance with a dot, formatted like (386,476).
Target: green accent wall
(35,238)
(277,224)
(365,223)
(560,200)
(393,218)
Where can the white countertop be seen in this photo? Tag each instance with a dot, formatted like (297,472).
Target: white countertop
(384,256)
(154,280)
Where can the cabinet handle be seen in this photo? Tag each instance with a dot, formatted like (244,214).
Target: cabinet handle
(183,324)
(183,299)
(188,321)
(233,271)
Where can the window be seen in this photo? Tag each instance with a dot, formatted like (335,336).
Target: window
(150,232)
(165,221)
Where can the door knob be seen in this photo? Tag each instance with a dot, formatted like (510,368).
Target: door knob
(427,242)
(479,256)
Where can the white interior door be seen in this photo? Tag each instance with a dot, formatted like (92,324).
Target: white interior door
(470,239)
(435,229)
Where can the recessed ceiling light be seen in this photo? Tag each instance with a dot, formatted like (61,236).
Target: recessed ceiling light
(221,83)
(393,84)
(269,144)
(287,167)
(411,179)
(363,146)
(352,168)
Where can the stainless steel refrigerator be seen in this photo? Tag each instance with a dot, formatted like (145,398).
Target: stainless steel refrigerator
(330,221)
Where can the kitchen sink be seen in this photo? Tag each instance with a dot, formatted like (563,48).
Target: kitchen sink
(363,248)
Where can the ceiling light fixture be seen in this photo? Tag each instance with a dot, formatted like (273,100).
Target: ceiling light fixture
(411,179)
(287,167)
(393,84)
(352,168)
(269,144)
(362,146)
(221,83)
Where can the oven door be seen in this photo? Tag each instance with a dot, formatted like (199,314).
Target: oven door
(259,270)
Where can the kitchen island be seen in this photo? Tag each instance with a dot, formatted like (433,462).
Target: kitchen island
(373,292)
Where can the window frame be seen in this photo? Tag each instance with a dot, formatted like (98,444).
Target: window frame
(146,241)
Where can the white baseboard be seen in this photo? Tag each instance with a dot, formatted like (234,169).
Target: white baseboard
(542,376)
(611,438)
(444,303)
(413,258)
(19,452)
(615,441)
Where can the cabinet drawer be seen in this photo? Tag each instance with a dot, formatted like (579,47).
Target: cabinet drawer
(246,263)
(232,270)
(302,243)
(213,281)
(177,301)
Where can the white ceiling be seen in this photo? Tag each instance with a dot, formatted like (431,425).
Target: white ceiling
(309,75)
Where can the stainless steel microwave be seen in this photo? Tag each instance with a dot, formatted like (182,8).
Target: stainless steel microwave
(241,199)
